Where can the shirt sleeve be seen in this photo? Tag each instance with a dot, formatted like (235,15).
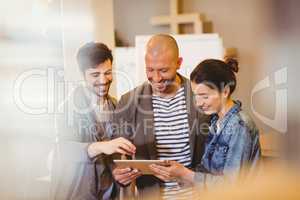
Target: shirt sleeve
(69,147)
(240,147)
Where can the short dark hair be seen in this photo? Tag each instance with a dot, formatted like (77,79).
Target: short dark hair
(92,54)
(216,74)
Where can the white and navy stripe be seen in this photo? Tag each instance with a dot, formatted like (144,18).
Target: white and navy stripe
(172,133)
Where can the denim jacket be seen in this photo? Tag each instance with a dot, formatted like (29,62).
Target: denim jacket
(231,147)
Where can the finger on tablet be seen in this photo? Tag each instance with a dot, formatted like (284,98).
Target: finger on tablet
(119,171)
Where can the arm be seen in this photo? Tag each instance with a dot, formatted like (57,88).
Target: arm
(238,155)
(237,158)
(69,153)
(119,145)
(122,127)
(69,144)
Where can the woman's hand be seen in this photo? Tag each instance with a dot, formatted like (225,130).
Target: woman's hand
(118,145)
(172,170)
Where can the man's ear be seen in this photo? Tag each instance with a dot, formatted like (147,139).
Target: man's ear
(179,62)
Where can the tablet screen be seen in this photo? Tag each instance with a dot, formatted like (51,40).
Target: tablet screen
(141,165)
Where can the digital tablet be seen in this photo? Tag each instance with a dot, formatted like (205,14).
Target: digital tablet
(141,165)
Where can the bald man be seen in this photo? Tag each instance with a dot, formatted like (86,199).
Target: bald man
(160,119)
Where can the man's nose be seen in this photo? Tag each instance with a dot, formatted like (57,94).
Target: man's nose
(102,79)
(156,77)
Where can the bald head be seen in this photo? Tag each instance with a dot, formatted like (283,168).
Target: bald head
(162,62)
(162,44)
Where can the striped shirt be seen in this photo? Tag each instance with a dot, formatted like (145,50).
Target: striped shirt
(172,134)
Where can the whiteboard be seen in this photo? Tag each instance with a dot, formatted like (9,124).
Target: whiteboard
(124,71)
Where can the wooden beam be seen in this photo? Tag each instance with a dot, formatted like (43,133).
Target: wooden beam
(175,19)
(104,21)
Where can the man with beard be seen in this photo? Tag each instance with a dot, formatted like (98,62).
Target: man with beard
(81,167)
(160,119)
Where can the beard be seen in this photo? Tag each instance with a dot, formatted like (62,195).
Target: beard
(101,90)
(164,85)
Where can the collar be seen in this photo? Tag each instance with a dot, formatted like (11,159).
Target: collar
(236,108)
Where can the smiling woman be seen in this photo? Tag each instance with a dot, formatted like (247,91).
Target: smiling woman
(232,145)
(213,83)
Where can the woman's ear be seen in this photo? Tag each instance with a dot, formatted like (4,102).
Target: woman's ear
(226,92)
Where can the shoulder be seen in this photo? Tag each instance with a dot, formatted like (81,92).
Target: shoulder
(75,99)
(246,120)
(144,88)
(130,98)
(242,120)
(185,81)
(113,100)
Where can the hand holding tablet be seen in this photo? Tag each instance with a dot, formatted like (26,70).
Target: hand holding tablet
(142,165)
